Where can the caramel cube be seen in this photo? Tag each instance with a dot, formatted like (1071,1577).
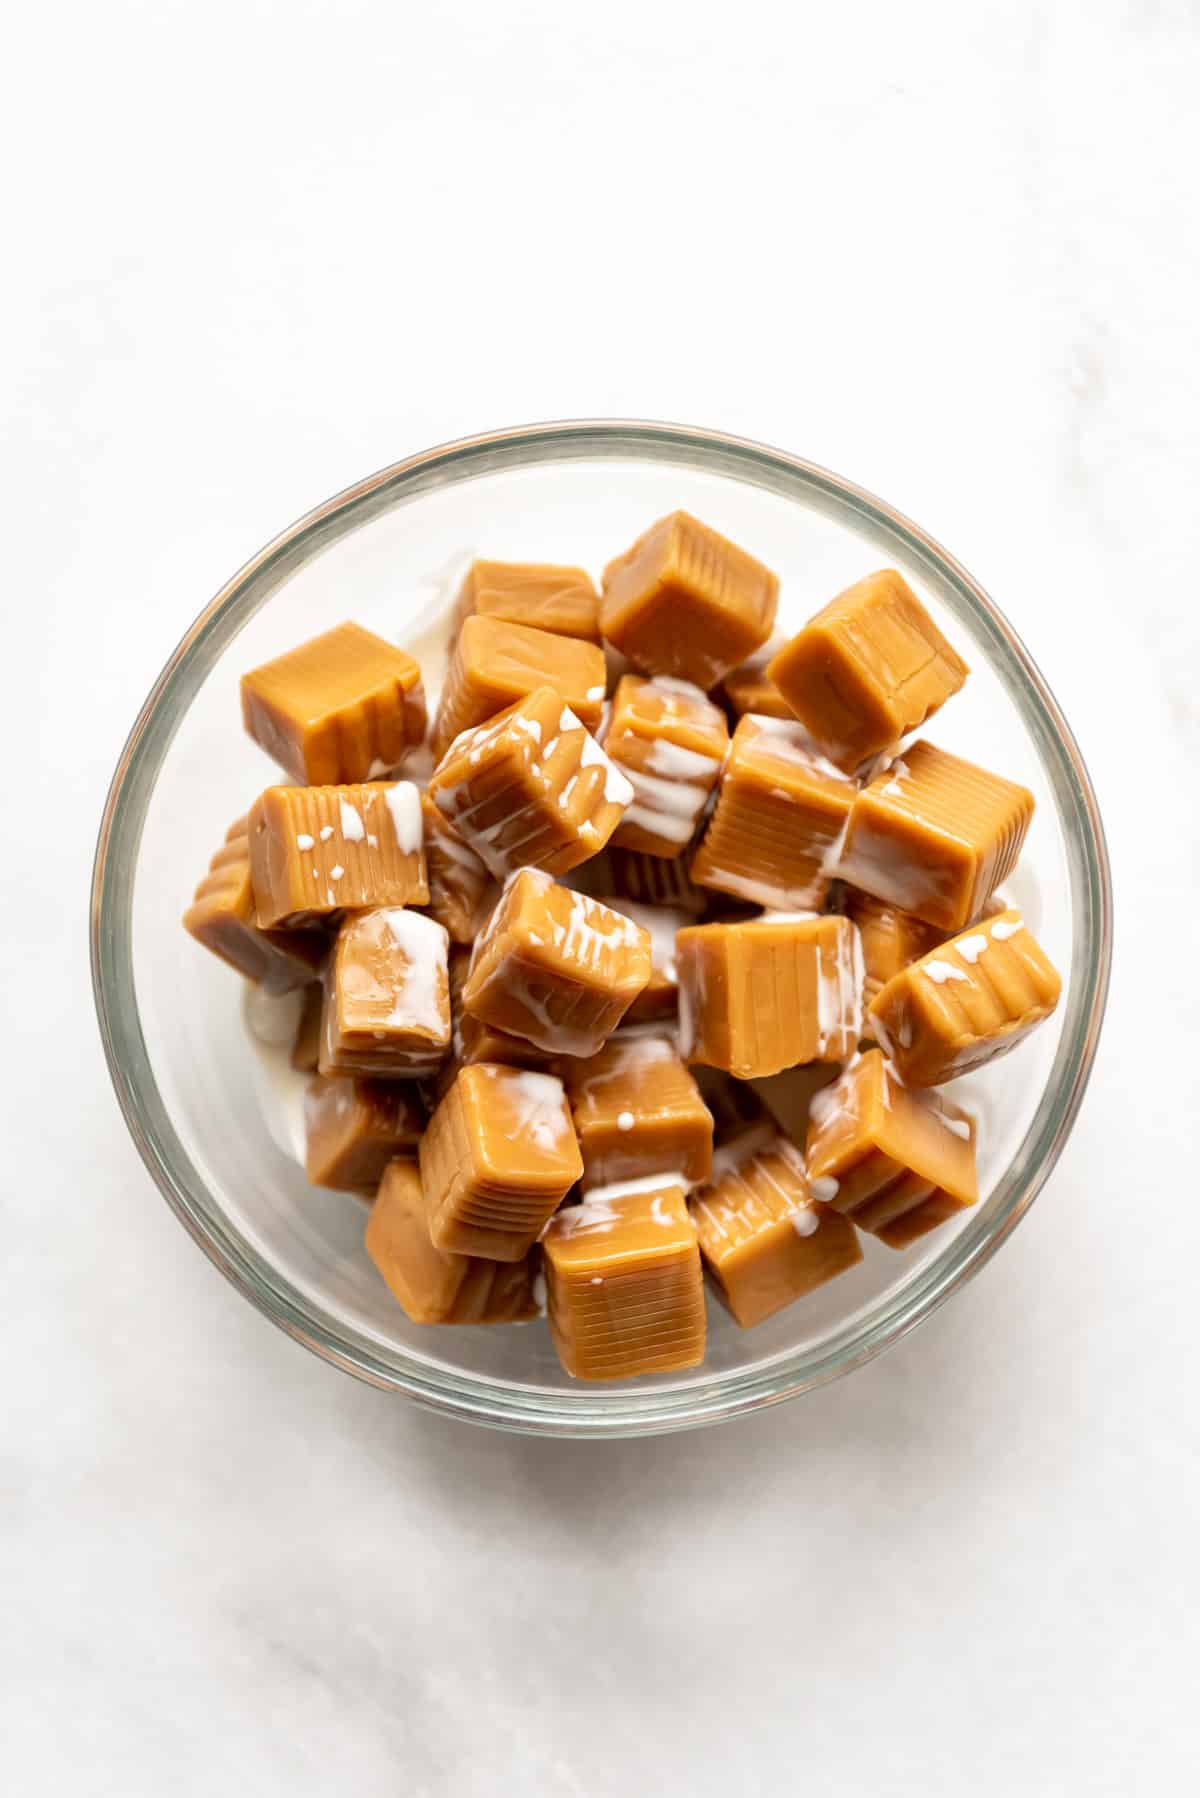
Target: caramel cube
(652,881)
(556,967)
(684,601)
(497,1160)
(341,708)
(779,822)
(870,667)
(495,664)
(315,851)
(531,788)
(222,917)
(898,1163)
(461,891)
(354,1127)
(638,1112)
(764,1239)
(387,999)
(748,688)
(433,1287)
(306,1045)
(891,938)
(537,594)
(670,741)
(935,835)
(624,1291)
(471,1040)
(966,1001)
(761,996)
(659,998)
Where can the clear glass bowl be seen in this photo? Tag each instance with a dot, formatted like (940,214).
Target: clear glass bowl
(188,1079)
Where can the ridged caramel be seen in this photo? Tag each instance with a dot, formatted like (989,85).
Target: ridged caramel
(222,916)
(891,938)
(316,851)
(638,1112)
(495,664)
(541,595)
(749,688)
(354,1127)
(670,742)
(431,1286)
(387,996)
(652,881)
(461,890)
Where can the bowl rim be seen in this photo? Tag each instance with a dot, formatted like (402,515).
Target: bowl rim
(591,1411)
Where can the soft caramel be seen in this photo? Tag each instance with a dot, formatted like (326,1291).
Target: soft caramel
(891,938)
(870,667)
(897,1162)
(935,835)
(341,708)
(764,1239)
(967,1001)
(497,1160)
(624,1291)
(670,741)
(638,1112)
(495,664)
(685,601)
(538,594)
(431,1286)
(748,688)
(316,851)
(759,996)
(472,1040)
(555,967)
(387,998)
(531,788)
(354,1127)
(653,881)
(222,916)
(461,891)
(779,821)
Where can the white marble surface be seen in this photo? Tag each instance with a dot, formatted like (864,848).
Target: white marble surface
(258,250)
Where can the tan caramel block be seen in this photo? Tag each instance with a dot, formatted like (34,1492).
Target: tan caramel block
(891,938)
(734,1106)
(472,1041)
(222,917)
(537,594)
(531,788)
(760,996)
(461,891)
(494,665)
(315,851)
(638,1112)
(898,1163)
(497,1160)
(870,667)
(306,1046)
(659,998)
(687,602)
(763,1237)
(624,1291)
(670,741)
(341,708)
(967,1001)
(432,1287)
(935,835)
(387,996)
(556,967)
(780,817)
(749,689)
(652,881)
(354,1127)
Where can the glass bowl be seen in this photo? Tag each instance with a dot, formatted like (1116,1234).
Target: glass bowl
(191,1083)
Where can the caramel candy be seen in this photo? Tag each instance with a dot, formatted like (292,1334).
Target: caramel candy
(652,881)
(433,1287)
(222,917)
(461,891)
(354,1127)
(555,967)
(537,594)
(387,1000)
(495,664)
(760,996)
(659,997)
(780,818)
(319,850)
(749,689)
(343,707)
(670,742)
(898,1163)
(306,1046)
(471,1040)
(967,1001)
(870,667)
(685,601)
(935,835)
(764,1239)
(624,1292)
(531,788)
(637,1111)
(497,1160)
(891,938)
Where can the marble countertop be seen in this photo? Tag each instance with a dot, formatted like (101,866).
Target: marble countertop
(263,250)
